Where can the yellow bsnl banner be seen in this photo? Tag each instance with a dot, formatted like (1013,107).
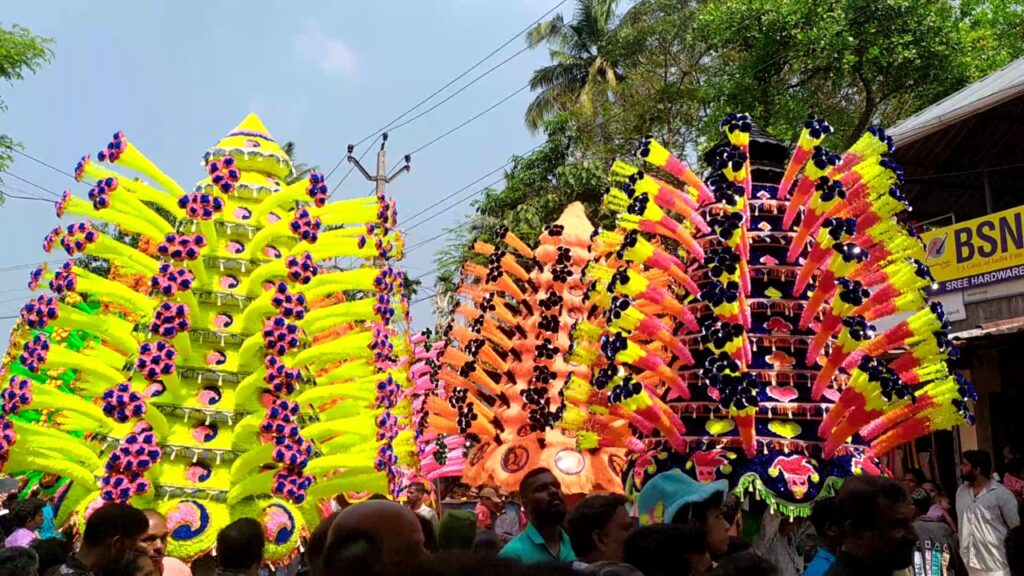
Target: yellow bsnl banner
(977,252)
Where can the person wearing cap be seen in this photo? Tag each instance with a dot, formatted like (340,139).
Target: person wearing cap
(543,541)
(672,497)
(488,509)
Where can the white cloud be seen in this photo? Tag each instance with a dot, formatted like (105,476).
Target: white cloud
(330,55)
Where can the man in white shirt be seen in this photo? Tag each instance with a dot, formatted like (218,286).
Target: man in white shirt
(987,511)
(414,500)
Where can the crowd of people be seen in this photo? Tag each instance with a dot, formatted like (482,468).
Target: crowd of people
(677,527)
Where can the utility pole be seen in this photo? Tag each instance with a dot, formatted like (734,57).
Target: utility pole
(381,178)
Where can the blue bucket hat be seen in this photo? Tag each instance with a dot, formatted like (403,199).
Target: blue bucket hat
(669,491)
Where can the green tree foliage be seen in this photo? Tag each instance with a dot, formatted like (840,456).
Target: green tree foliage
(681,65)
(21,52)
(538,186)
(581,71)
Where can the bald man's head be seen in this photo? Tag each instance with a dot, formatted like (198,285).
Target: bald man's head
(373,537)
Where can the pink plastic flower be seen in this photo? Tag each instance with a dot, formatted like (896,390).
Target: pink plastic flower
(169,320)
(34,352)
(78,237)
(39,312)
(224,174)
(122,403)
(116,146)
(280,336)
(317,189)
(156,360)
(65,279)
(16,395)
(302,269)
(169,280)
(201,205)
(288,304)
(305,225)
(181,247)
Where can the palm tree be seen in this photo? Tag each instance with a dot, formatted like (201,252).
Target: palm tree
(300,169)
(581,70)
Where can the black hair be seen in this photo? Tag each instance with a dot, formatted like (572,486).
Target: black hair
(52,553)
(378,496)
(18,561)
(528,477)
(355,552)
(731,505)
(129,566)
(824,513)
(25,510)
(744,564)
(662,549)
(114,520)
(240,545)
(429,536)
(470,564)
(590,515)
(1015,550)
(862,499)
(921,500)
(918,474)
(318,541)
(418,485)
(979,459)
(698,512)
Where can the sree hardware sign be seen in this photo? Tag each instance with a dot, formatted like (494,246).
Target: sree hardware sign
(977,252)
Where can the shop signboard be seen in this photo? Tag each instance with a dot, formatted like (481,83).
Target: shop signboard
(978,252)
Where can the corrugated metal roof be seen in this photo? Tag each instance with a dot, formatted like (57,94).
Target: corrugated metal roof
(1002,85)
(1002,327)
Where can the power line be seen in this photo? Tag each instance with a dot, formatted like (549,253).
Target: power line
(17,197)
(38,161)
(467,122)
(351,168)
(31,183)
(464,74)
(31,265)
(457,92)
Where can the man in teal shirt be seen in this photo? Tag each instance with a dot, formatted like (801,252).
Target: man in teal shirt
(543,541)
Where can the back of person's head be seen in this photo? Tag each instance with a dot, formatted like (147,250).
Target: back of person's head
(457,530)
(979,459)
(861,499)
(612,569)
(470,564)
(921,500)
(744,564)
(52,553)
(665,549)
(1015,550)
(429,537)
(317,542)
(591,515)
(353,552)
(18,561)
(487,543)
(112,521)
(25,510)
(378,496)
(825,516)
(918,475)
(731,505)
(240,545)
(132,565)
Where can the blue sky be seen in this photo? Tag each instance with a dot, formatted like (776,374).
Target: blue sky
(175,76)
